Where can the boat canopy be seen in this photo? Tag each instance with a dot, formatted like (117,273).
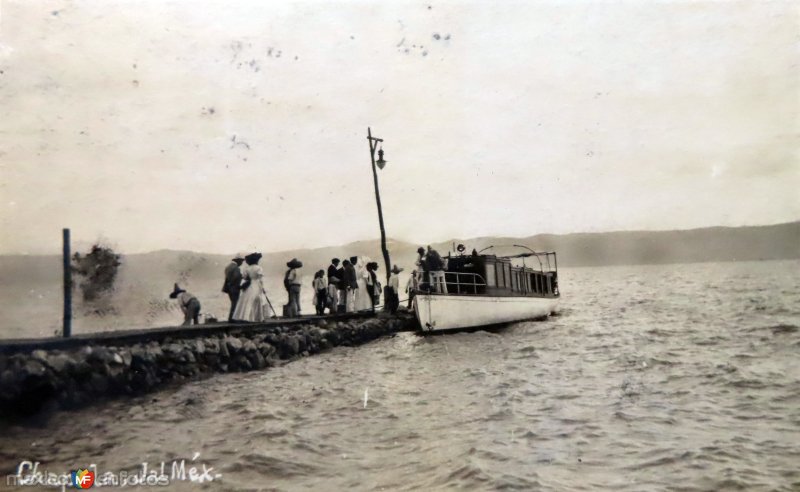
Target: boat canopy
(495,275)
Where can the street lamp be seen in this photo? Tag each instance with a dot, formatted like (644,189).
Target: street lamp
(373,144)
(380,162)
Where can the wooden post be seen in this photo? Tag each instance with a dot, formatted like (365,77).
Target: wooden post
(67,287)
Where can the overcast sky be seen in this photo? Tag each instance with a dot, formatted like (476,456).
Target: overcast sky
(218,126)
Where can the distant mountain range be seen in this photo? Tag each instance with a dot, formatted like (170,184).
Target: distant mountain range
(31,286)
(771,242)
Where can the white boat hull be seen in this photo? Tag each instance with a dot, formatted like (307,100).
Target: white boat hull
(451,312)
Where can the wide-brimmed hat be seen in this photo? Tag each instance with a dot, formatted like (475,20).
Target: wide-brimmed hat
(395,269)
(175,291)
(253,257)
(294,263)
(239,256)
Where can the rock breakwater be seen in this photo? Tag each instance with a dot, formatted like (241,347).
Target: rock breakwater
(66,378)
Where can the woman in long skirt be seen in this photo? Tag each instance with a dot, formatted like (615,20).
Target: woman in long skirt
(253,304)
(363,301)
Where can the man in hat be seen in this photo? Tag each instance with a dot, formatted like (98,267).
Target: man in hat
(188,304)
(292,281)
(422,269)
(233,282)
(411,287)
(435,266)
(392,290)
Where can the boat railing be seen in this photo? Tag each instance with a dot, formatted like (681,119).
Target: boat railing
(456,283)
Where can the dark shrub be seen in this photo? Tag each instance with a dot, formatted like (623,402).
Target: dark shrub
(99,270)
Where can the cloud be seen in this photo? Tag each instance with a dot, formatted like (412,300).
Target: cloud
(155,123)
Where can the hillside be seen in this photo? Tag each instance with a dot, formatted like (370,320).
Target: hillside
(772,242)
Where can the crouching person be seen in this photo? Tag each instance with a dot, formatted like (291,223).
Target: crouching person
(188,304)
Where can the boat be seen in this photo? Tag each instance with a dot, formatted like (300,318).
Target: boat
(488,290)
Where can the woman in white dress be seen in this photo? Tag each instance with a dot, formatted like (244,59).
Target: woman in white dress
(253,304)
(363,298)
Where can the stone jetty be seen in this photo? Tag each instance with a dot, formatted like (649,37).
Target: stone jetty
(71,373)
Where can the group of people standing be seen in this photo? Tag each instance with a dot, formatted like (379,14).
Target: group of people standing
(430,270)
(244,285)
(245,288)
(351,285)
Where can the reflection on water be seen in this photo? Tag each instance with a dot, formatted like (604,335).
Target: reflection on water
(652,378)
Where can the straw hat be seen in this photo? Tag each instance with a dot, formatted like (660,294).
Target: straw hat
(395,269)
(294,263)
(175,291)
(239,256)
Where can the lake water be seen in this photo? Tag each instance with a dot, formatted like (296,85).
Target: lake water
(672,377)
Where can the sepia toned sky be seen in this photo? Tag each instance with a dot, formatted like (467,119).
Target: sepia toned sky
(219,126)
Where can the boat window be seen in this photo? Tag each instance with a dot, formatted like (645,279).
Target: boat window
(490,275)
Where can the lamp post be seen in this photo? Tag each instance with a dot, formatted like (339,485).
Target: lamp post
(373,145)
